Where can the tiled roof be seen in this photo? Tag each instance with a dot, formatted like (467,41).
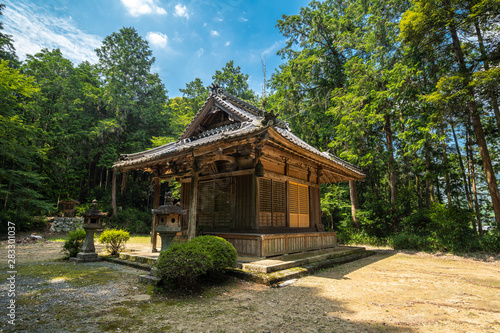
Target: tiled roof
(201,139)
(254,121)
(299,142)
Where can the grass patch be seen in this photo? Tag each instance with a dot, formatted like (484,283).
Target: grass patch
(75,275)
(120,324)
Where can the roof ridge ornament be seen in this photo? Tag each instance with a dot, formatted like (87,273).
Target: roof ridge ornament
(216,90)
(270,118)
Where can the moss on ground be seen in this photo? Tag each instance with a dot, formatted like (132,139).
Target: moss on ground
(74,274)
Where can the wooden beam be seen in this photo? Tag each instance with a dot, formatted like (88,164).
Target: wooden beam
(156,204)
(278,176)
(193,205)
(221,175)
(113,192)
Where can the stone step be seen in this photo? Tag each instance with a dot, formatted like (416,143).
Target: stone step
(148,259)
(276,278)
(299,259)
(130,263)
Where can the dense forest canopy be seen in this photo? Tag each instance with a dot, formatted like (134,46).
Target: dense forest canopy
(406,90)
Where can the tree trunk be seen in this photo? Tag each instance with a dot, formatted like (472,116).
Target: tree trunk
(468,149)
(429,186)
(392,167)
(478,127)
(474,189)
(447,173)
(113,192)
(353,191)
(462,168)
(493,97)
(488,168)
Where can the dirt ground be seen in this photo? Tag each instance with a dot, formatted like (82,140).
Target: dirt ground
(388,292)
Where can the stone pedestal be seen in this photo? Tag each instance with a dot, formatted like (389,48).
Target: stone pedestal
(85,257)
(88,249)
(167,235)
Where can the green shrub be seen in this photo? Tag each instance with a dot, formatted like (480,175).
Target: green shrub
(133,220)
(24,221)
(74,242)
(114,239)
(183,263)
(453,227)
(489,242)
(223,253)
(406,241)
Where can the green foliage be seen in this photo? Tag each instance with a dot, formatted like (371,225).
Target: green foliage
(183,263)
(443,229)
(7,50)
(232,80)
(131,219)
(24,220)
(354,237)
(223,253)
(406,241)
(114,239)
(74,242)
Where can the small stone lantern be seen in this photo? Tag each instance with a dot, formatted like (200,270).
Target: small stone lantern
(68,207)
(166,220)
(92,219)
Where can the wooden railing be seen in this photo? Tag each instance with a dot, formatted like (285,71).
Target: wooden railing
(267,245)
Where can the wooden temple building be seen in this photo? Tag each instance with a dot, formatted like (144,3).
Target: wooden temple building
(245,177)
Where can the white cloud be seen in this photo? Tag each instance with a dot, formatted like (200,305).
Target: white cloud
(242,19)
(214,33)
(228,43)
(34,29)
(200,52)
(273,48)
(219,19)
(142,7)
(181,11)
(157,39)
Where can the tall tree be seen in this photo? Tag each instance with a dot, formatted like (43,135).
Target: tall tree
(426,23)
(232,80)
(20,182)
(7,50)
(133,95)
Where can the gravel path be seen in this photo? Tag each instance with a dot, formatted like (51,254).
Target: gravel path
(388,292)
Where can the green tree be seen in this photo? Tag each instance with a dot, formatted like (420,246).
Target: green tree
(7,50)
(133,95)
(20,183)
(232,80)
(428,22)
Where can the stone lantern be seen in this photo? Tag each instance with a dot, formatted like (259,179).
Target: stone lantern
(68,207)
(92,221)
(166,220)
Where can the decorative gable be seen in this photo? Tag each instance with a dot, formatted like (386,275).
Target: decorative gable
(220,110)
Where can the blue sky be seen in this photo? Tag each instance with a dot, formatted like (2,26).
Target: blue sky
(189,39)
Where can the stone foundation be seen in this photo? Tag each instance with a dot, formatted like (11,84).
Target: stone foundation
(65,224)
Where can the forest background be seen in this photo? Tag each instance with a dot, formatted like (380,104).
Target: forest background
(406,90)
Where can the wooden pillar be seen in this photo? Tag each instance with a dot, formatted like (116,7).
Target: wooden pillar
(156,204)
(113,192)
(193,205)
(124,182)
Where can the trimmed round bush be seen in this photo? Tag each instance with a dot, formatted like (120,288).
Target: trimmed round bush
(223,253)
(74,242)
(114,239)
(183,263)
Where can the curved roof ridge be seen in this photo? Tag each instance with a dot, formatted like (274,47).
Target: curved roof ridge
(301,143)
